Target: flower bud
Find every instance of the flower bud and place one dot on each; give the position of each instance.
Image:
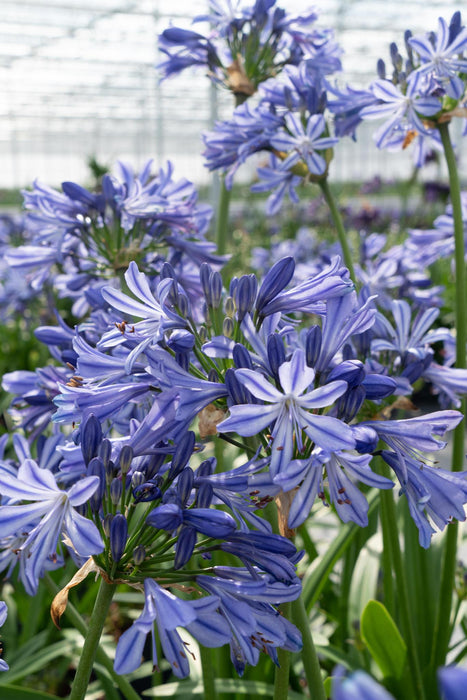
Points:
(244, 295)
(185, 485)
(139, 554)
(275, 281)
(125, 458)
(110, 471)
(91, 436)
(182, 454)
(118, 536)
(137, 478)
(350, 371)
(105, 451)
(106, 523)
(115, 491)
(276, 353)
(96, 468)
(216, 287)
(168, 272)
(229, 307)
(313, 345)
(184, 548)
(350, 403)
(241, 357)
(228, 327)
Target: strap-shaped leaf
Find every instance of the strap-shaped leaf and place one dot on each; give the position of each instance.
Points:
(383, 640)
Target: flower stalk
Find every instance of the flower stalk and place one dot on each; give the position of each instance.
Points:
(91, 643)
(309, 655)
(338, 223)
(443, 616)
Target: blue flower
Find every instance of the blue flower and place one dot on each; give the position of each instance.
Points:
(49, 513)
(403, 109)
(245, 603)
(304, 142)
(3, 615)
(357, 686)
(289, 412)
(278, 178)
(430, 492)
(438, 57)
(452, 682)
(169, 612)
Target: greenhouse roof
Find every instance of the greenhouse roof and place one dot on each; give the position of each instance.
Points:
(78, 78)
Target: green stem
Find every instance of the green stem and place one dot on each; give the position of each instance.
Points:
(389, 521)
(309, 655)
(337, 219)
(75, 618)
(386, 562)
(209, 680)
(281, 678)
(443, 613)
(222, 219)
(91, 642)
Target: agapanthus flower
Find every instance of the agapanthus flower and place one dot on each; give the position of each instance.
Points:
(304, 142)
(200, 617)
(289, 412)
(402, 108)
(432, 492)
(439, 57)
(452, 681)
(249, 43)
(358, 685)
(77, 237)
(3, 615)
(49, 514)
(342, 470)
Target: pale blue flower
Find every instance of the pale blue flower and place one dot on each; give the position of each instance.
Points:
(289, 412)
(3, 615)
(48, 513)
(453, 682)
(439, 59)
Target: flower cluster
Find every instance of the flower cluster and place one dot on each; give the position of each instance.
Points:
(300, 392)
(248, 44)
(77, 239)
(288, 123)
(425, 88)
(147, 518)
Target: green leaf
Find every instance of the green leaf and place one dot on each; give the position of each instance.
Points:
(228, 686)
(383, 640)
(31, 664)
(11, 692)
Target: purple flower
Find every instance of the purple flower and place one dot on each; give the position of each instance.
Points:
(245, 603)
(49, 513)
(342, 469)
(452, 682)
(169, 612)
(281, 180)
(289, 412)
(430, 492)
(357, 686)
(304, 142)
(438, 58)
(3, 615)
(402, 109)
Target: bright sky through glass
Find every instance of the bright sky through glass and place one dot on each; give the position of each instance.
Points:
(77, 79)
